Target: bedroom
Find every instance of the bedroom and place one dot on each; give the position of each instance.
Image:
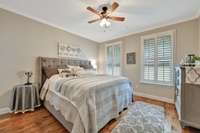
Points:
(33, 33)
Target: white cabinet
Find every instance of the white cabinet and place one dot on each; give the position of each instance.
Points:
(187, 100)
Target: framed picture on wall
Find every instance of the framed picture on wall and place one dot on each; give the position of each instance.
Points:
(131, 58)
(65, 50)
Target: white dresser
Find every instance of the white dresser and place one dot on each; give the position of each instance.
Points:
(187, 96)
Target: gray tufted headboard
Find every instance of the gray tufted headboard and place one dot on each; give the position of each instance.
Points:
(57, 63)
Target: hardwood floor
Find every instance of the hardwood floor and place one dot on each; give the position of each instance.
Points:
(41, 121)
(170, 114)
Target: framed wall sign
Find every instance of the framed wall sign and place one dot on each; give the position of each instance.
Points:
(131, 58)
(68, 51)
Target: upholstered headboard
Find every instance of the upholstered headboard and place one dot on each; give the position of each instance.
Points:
(58, 63)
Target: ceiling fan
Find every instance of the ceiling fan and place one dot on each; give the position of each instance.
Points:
(104, 13)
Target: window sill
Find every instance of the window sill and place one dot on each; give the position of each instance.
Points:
(157, 83)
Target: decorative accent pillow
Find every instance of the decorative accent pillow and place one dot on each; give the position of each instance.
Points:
(50, 71)
(65, 72)
(87, 66)
(75, 70)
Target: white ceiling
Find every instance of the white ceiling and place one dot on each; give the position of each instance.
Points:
(72, 16)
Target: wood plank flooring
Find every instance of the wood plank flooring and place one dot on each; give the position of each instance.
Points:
(41, 121)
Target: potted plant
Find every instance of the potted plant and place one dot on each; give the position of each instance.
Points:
(196, 60)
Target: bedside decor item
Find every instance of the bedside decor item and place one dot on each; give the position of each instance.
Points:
(25, 98)
(28, 74)
(130, 58)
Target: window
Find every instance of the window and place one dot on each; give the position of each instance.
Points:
(113, 59)
(157, 58)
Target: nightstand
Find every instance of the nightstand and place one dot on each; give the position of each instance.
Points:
(25, 98)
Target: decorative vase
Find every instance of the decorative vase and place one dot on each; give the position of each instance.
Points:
(197, 63)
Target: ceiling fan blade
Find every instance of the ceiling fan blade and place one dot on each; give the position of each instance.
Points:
(114, 6)
(93, 10)
(92, 21)
(117, 18)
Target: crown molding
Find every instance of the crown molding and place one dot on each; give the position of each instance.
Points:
(43, 21)
(159, 25)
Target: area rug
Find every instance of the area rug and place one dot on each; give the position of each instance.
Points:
(144, 118)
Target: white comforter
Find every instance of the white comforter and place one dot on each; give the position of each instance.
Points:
(95, 99)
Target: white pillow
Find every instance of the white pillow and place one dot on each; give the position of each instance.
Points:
(74, 67)
(66, 72)
(87, 71)
(76, 71)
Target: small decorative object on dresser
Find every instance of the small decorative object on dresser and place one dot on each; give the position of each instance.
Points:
(25, 98)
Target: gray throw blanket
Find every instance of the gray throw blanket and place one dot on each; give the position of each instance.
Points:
(83, 93)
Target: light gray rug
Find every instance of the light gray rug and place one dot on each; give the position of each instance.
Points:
(143, 118)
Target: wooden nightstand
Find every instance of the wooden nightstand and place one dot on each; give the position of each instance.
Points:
(25, 98)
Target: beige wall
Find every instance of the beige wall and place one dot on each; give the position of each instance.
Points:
(187, 42)
(22, 40)
(199, 34)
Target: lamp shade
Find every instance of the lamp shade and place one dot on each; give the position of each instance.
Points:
(93, 63)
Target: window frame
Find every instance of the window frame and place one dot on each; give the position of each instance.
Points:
(155, 36)
(121, 55)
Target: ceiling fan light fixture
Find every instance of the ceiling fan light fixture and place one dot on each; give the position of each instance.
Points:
(104, 13)
(105, 23)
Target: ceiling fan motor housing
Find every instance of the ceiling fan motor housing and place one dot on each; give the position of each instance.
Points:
(104, 8)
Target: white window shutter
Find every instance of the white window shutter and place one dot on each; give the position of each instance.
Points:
(157, 63)
(149, 59)
(164, 45)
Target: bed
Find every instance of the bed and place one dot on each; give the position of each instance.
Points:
(86, 103)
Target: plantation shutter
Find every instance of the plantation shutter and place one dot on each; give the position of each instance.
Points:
(165, 67)
(158, 58)
(149, 59)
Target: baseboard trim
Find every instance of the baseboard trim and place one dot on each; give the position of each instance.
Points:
(5, 110)
(163, 99)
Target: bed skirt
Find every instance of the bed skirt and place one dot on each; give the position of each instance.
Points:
(58, 116)
(67, 125)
